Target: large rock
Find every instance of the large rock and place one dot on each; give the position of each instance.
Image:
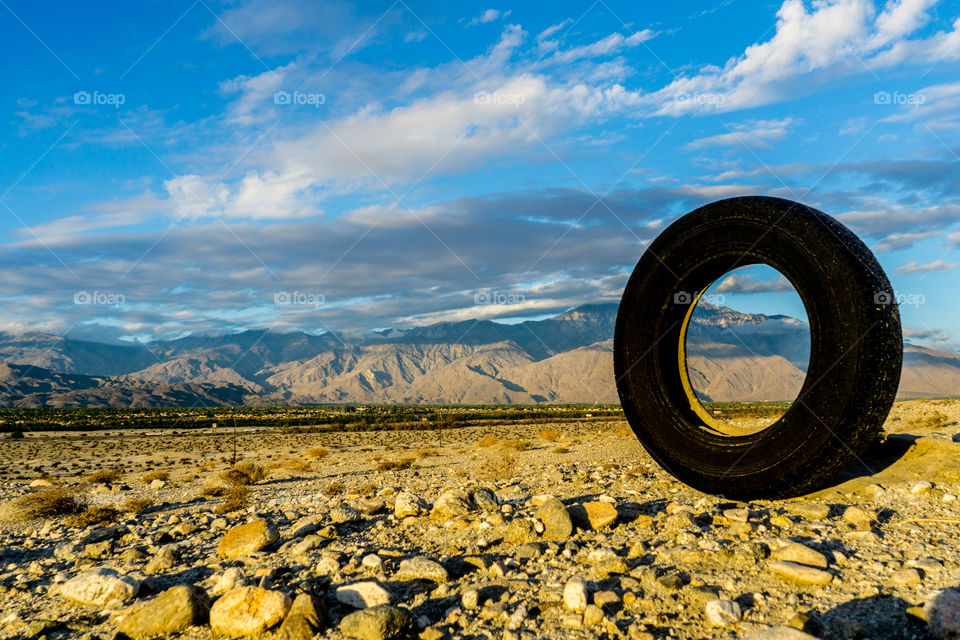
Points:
(452, 503)
(377, 623)
(575, 595)
(100, 588)
(344, 514)
(421, 568)
(555, 518)
(363, 594)
(173, 610)
(942, 613)
(722, 613)
(407, 504)
(594, 515)
(248, 611)
(306, 617)
(244, 539)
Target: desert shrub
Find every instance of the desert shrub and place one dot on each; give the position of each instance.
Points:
(561, 450)
(156, 474)
(93, 516)
(319, 453)
(295, 463)
(497, 467)
(244, 473)
(426, 452)
(137, 505)
(46, 503)
(367, 489)
(104, 476)
(16, 435)
(234, 499)
(487, 441)
(334, 488)
(550, 435)
(395, 465)
(516, 445)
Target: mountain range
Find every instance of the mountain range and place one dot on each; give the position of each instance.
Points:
(565, 358)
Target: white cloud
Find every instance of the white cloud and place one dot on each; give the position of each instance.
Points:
(613, 43)
(904, 240)
(489, 16)
(936, 265)
(756, 134)
(735, 283)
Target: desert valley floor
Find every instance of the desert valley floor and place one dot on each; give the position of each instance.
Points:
(525, 531)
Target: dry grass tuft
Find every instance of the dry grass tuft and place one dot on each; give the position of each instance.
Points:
(104, 476)
(427, 452)
(497, 467)
(487, 441)
(334, 488)
(516, 445)
(137, 505)
(561, 450)
(46, 503)
(156, 474)
(244, 473)
(550, 435)
(93, 516)
(395, 465)
(234, 499)
(319, 453)
(367, 490)
(294, 463)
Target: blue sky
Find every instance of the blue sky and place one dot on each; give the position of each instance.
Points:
(193, 167)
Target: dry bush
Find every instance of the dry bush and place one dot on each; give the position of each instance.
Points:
(625, 431)
(636, 471)
(550, 435)
(244, 473)
(516, 445)
(334, 488)
(487, 441)
(234, 499)
(156, 474)
(93, 516)
(497, 467)
(46, 503)
(930, 421)
(561, 450)
(319, 453)
(426, 452)
(137, 505)
(104, 476)
(294, 463)
(395, 465)
(367, 490)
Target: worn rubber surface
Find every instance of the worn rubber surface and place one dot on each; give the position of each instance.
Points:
(856, 348)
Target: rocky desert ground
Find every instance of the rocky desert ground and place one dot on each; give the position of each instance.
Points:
(524, 531)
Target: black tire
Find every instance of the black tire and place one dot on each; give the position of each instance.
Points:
(856, 348)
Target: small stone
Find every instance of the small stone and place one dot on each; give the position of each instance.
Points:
(528, 551)
(372, 562)
(156, 484)
(520, 530)
(800, 573)
(408, 504)
(592, 615)
(575, 595)
(780, 633)
(363, 595)
(470, 598)
(801, 554)
(421, 568)
(808, 510)
(164, 560)
(343, 515)
(595, 515)
(921, 487)
(247, 538)
(555, 518)
(605, 599)
(942, 613)
(173, 610)
(304, 526)
(230, 579)
(484, 499)
(100, 588)
(861, 519)
(306, 616)
(377, 623)
(248, 611)
(906, 577)
(452, 503)
(722, 613)
(371, 506)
